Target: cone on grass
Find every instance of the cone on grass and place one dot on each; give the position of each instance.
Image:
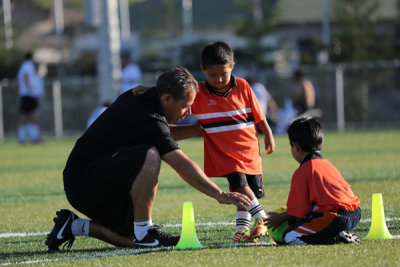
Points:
(188, 239)
(378, 228)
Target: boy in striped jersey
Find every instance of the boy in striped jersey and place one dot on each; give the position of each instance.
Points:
(228, 112)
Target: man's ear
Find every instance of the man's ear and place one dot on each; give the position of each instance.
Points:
(166, 99)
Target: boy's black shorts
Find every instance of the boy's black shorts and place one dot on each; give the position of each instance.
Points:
(255, 182)
(100, 190)
(28, 105)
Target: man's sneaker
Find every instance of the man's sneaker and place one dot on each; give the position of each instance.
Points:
(258, 230)
(348, 238)
(61, 231)
(156, 238)
(242, 236)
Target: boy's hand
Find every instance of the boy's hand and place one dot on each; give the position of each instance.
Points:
(274, 219)
(140, 89)
(269, 144)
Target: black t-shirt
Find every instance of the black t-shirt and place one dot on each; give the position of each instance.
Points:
(129, 121)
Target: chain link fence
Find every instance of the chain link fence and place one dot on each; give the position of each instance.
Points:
(371, 94)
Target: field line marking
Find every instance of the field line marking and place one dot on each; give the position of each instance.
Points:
(7, 235)
(135, 252)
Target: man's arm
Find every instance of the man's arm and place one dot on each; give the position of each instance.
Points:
(185, 131)
(193, 175)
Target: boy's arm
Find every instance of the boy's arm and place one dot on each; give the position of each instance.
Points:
(268, 137)
(180, 132)
(275, 219)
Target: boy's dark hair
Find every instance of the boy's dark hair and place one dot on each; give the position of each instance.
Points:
(217, 53)
(308, 133)
(177, 82)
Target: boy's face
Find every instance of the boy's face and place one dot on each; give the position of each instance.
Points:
(219, 76)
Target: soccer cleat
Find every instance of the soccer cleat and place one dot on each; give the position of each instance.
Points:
(348, 238)
(156, 238)
(61, 231)
(242, 236)
(258, 230)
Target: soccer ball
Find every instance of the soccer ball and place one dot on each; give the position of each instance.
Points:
(277, 234)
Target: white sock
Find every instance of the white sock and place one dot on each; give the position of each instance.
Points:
(80, 227)
(242, 220)
(30, 130)
(22, 134)
(256, 210)
(141, 228)
(35, 133)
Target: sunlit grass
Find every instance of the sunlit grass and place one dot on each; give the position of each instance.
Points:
(31, 190)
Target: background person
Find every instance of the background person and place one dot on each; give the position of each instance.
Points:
(29, 87)
(131, 74)
(304, 97)
(96, 113)
(266, 101)
(111, 175)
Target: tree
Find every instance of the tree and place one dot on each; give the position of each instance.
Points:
(257, 20)
(355, 38)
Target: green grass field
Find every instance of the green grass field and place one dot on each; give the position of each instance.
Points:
(31, 191)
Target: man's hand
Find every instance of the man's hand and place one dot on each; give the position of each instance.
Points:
(235, 198)
(140, 89)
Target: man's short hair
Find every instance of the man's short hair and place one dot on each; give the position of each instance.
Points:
(217, 53)
(308, 133)
(177, 82)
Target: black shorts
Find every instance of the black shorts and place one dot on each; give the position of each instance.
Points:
(255, 182)
(101, 189)
(28, 105)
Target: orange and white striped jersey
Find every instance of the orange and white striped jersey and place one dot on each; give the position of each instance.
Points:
(228, 126)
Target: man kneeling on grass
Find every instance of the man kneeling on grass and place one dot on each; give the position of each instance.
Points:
(111, 175)
(320, 199)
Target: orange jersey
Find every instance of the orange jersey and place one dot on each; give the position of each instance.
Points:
(228, 126)
(318, 186)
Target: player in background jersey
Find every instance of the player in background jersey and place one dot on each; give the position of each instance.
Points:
(227, 112)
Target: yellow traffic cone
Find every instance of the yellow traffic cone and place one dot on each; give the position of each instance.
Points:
(378, 228)
(188, 239)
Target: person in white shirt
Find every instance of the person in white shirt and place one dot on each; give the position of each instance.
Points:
(266, 101)
(131, 75)
(30, 87)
